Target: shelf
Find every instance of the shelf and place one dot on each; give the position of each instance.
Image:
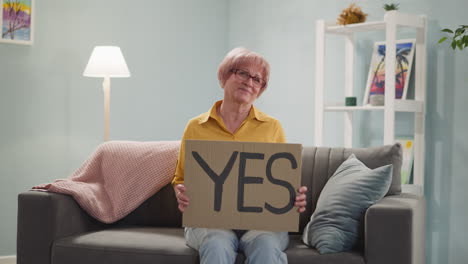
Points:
(352, 108)
(391, 24)
(400, 19)
(400, 106)
(409, 106)
(352, 28)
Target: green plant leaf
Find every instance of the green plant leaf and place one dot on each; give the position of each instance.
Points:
(389, 7)
(459, 37)
(459, 32)
(442, 39)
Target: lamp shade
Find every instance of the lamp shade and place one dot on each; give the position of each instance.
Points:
(106, 61)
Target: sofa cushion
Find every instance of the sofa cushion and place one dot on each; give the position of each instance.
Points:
(334, 226)
(147, 213)
(375, 157)
(164, 245)
(125, 245)
(298, 253)
(319, 164)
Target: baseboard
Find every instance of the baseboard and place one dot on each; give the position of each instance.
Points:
(7, 259)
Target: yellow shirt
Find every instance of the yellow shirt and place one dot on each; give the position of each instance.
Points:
(257, 127)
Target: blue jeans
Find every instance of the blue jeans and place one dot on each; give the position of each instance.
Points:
(221, 246)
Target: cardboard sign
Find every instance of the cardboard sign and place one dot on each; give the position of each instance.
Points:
(242, 185)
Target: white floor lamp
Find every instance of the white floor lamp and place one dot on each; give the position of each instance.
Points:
(106, 61)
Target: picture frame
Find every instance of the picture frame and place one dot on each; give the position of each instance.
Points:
(17, 21)
(407, 146)
(375, 87)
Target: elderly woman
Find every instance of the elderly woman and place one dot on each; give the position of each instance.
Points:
(244, 76)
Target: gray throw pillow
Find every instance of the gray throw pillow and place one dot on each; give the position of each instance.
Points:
(334, 225)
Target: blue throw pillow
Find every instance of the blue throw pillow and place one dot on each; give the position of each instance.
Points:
(334, 225)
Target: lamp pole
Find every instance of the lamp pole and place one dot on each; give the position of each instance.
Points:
(106, 89)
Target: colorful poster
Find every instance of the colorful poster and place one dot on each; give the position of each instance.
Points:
(16, 21)
(407, 146)
(376, 78)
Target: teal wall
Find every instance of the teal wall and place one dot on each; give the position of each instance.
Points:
(285, 32)
(51, 116)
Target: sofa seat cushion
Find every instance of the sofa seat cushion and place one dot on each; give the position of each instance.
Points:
(164, 245)
(125, 245)
(299, 253)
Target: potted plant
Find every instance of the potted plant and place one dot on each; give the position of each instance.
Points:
(390, 7)
(351, 15)
(459, 37)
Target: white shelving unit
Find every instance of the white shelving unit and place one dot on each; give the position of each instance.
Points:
(393, 20)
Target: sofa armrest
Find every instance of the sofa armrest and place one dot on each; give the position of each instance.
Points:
(44, 217)
(395, 230)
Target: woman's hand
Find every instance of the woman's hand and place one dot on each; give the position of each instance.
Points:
(182, 199)
(301, 199)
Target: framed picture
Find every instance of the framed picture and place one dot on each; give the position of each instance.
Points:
(407, 145)
(375, 88)
(17, 21)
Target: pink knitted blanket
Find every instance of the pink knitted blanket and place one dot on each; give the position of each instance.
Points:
(118, 177)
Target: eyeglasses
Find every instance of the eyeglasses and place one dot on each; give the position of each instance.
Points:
(245, 76)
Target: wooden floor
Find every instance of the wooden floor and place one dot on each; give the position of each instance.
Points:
(7, 259)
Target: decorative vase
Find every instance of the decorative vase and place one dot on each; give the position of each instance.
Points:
(377, 99)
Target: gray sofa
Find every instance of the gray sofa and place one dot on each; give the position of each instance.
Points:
(52, 228)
